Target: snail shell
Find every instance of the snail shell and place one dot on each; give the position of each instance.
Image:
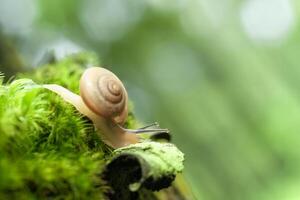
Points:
(104, 94)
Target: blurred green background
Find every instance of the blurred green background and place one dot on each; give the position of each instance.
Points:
(223, 75)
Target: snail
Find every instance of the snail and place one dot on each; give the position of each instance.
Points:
(103, 99)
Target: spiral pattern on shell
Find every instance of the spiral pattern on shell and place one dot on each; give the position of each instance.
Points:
(104, 94)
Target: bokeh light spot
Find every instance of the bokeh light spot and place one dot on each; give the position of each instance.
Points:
(61, 48)
(108, 20)
(17, 16)
(267, 20)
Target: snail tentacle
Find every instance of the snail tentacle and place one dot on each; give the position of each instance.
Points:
(155, 124)
(145, 130)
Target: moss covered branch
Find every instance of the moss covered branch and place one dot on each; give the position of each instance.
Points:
(49, 150)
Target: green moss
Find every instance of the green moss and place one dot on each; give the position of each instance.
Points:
(48, 149)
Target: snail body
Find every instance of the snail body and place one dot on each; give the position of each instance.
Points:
(103, 99)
